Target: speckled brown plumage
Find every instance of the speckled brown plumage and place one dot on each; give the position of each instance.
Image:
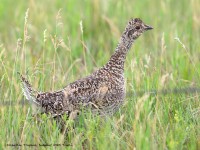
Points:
(103, 91)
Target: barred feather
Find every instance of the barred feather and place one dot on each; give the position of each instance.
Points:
(29, 93)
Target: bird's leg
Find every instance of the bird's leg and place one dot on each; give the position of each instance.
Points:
(74, 114)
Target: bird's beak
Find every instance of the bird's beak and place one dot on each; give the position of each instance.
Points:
(147, 27)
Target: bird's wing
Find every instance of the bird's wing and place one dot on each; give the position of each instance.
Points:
(86, 91)
(52, 102)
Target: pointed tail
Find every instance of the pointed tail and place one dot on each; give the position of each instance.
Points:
(28, 91)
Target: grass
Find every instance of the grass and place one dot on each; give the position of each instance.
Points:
(57, 42)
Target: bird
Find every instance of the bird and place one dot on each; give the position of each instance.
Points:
(103, 91)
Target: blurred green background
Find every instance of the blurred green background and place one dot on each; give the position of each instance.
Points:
(56, 42)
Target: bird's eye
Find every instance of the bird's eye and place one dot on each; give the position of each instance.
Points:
(137, 27)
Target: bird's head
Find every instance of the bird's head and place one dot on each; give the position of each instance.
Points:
(135, 28)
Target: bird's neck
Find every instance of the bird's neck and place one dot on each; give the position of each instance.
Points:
(117, 60)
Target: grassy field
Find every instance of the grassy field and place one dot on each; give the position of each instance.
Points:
(57, 42)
